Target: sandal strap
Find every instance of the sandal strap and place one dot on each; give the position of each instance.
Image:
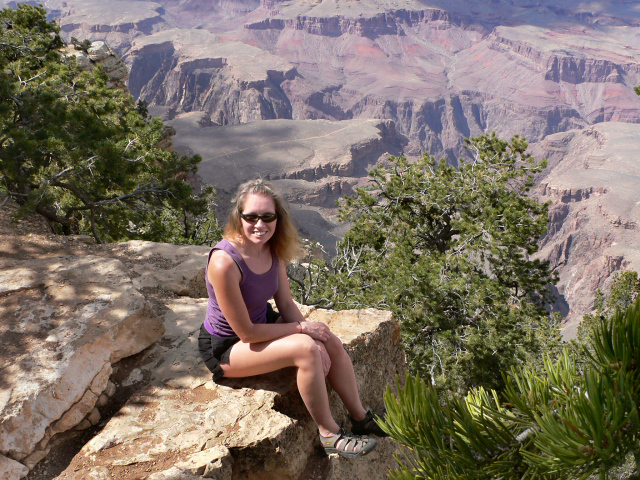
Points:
(349, 439)
(355, 439)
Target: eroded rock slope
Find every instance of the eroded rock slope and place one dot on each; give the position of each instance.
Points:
(595, 209)
(440, 70)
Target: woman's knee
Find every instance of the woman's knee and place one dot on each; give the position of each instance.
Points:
(305, 348)
(334, 346)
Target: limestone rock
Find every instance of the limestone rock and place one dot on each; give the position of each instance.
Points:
(116, 22)
(12, 470)
(101, 54)
(244, 81)
(173, 473)
(213, 462)
(177, 269)
(595, 213)
(66, 321)
(94, 416)
(180, 425)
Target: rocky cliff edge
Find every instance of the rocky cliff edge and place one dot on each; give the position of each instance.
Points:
(110, 331)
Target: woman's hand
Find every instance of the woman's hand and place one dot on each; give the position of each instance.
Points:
(316, 330)
(324, 356)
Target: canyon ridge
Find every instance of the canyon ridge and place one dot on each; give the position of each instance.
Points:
(311, 94)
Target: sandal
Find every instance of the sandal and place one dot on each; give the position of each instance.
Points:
(348, 445)
(368, 426)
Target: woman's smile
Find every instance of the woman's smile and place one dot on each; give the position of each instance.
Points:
(259, 232)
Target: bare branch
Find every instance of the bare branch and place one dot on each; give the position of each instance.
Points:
(61, 174)
(131, 160)
(16, 47)
(24, 82)
(94, 229)
(130, 143)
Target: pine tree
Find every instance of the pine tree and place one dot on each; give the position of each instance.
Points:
(555, 424)
(448, 251)
(81, 154)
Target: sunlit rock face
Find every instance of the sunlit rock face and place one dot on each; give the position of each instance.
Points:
(182, 425)
(109, 333)
(68, 319)
(595, 210)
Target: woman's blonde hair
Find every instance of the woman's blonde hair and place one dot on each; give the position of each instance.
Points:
(285, 241)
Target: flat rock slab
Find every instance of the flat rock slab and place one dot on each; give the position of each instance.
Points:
(65, 321)
(181, 425)
(176, 269)
(247, 63)
(11, 470)
(115, 13)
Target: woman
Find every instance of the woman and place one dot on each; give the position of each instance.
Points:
(240, 336)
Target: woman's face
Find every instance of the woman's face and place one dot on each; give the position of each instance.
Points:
(258, 233)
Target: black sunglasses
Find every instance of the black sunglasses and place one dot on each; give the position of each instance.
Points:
(254, 218)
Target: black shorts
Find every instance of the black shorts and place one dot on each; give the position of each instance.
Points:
(215, 350)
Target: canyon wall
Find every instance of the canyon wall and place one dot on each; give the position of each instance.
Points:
(429, 72)
(441, 73)
(595, 210)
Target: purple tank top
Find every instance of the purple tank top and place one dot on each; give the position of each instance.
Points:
(256, 291)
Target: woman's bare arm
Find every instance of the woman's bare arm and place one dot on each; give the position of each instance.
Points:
(290, 311)
(225, 277)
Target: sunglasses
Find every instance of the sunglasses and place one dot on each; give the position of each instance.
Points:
(254, 218)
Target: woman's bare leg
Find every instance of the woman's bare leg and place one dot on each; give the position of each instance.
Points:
(294, 350)
(343, 378)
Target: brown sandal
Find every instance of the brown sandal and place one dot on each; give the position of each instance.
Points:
(348, 444)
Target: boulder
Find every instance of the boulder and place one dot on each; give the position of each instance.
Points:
(66, 320)
(72, 315)
(100, 54)
(181, 425)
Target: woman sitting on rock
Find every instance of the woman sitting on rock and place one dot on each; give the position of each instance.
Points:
(240, 336)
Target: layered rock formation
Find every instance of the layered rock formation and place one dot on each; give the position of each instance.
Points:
(595, 210)
(74, 310)
(191, 71)
(184, 426)
(439, 70)
(67, 321)
(116, 22)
